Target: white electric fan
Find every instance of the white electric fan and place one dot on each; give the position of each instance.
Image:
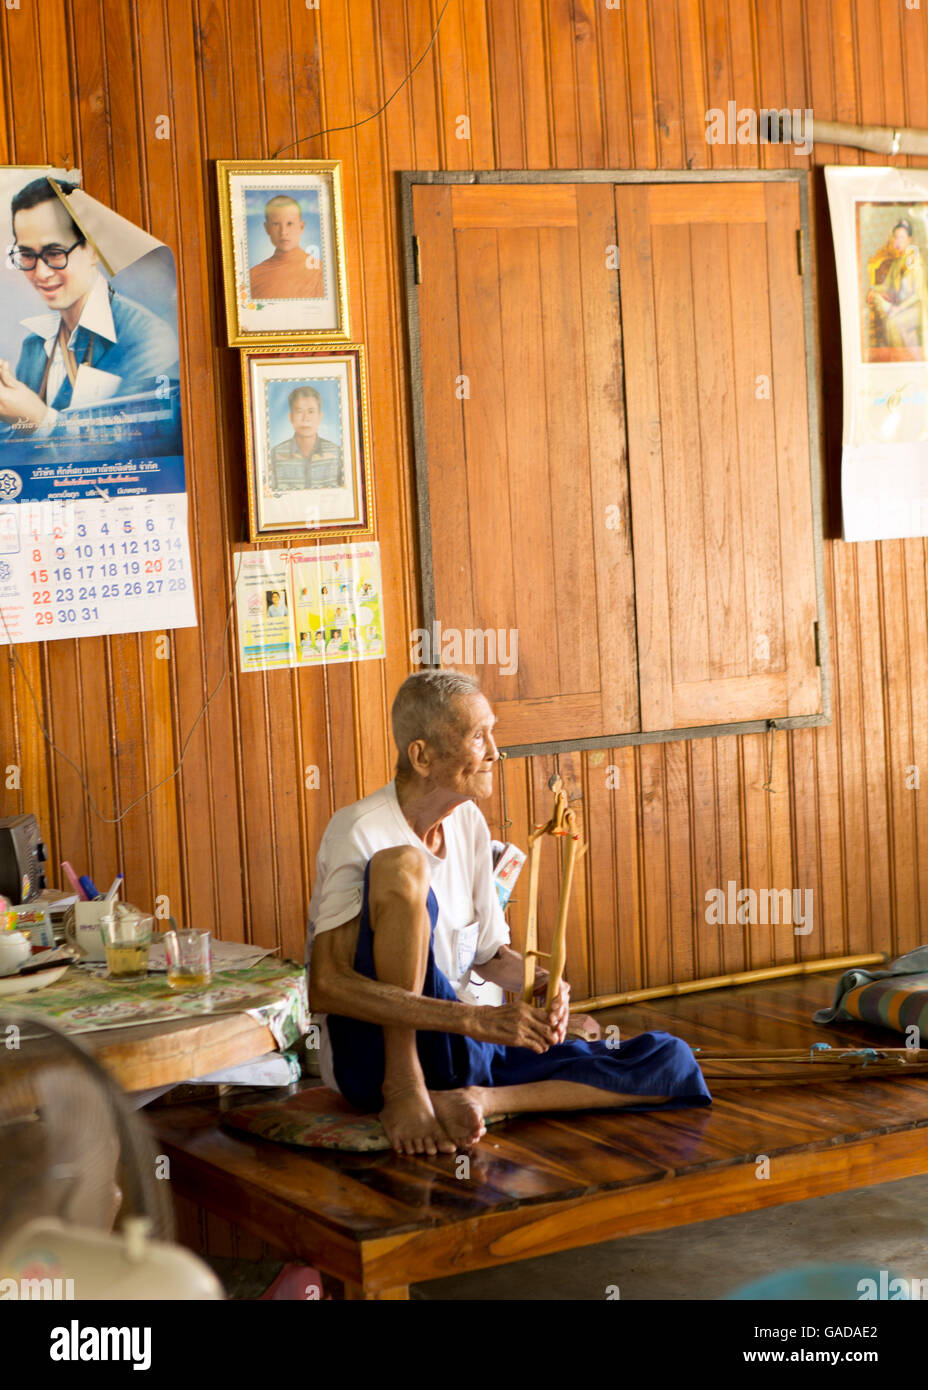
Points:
(74, 1160)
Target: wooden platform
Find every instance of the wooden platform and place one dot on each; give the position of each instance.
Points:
(380, 1222)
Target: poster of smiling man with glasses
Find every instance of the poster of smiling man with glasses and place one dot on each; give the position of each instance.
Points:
(93, 505)
(90, 341)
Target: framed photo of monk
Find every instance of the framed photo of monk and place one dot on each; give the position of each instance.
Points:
(307, 452)
(283, 251)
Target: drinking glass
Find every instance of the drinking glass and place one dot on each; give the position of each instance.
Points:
(188, 958)
(126, 940)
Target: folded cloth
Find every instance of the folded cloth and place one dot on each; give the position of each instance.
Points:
(852, 1001)
(650, 1064)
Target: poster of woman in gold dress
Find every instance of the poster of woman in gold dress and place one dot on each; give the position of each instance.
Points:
(891, 244)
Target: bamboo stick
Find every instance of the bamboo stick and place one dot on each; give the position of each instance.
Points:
(559, 941)
(530, 952)
(880, 139)
(740, 977)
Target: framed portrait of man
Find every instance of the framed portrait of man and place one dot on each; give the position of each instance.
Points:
(283, 250)
(307, 449)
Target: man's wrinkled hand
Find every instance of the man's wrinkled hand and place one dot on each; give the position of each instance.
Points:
(515, 1025)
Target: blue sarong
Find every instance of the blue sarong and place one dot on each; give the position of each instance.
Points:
(649, 1064)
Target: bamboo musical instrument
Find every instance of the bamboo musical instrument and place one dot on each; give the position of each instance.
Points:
(563, 823)
(738, 977)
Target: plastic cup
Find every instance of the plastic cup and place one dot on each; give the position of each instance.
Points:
(126, 941)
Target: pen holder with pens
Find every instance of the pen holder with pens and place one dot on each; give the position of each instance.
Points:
(83, 926)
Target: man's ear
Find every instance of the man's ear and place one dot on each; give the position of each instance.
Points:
(419, 757)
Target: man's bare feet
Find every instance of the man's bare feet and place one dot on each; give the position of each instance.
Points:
(411, 1124)
(461, 1112)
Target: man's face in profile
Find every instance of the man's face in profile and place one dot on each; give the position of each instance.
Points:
(48, 225)
(305, 417)
(284, 226)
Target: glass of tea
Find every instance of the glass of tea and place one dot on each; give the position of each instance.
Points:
(188, 958)
(126, 940)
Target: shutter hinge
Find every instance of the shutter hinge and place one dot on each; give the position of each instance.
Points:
(818, 645)
(417, 260)
(799, 256)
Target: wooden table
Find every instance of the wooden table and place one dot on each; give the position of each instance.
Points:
(165, 1054)
(538, 1185)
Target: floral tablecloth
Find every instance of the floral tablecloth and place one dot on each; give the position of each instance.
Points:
(273, 992)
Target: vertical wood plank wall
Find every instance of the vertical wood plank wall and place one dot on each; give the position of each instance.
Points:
(545, 84)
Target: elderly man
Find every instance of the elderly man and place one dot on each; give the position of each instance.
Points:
(404, 909)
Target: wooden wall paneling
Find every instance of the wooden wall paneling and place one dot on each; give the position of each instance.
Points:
(536, 87)
(908, 29)
(629, 865)
(645, 460)
(732, 867)
(684, 461)
(875, 737)
(456, 150)
(683, 911)
(768, 22)
(820, 93)
(438, 299)
(476, 54)
(719, 80)
(755, 481)
(725, 514)
(561, 43)
(654, 885)
(783, 872)
(567, 433)
(693, 87)
(371, 273)
(803, 793)
(341, 109)
(792, 445)
(916, 608)
(588, 80)
(532, 509)
(667, 85)
(760, 938)
(504, 21)
(829, 762)
(216, 866)
(744, 60)
(707, 945)
(598, 815)
(615, 69)
(901, 874)
(126, 85)
(611, 509)
(640, 76)
(306, 66)
(848, 658)
(483, 354)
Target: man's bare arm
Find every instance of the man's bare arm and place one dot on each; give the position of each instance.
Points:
(337, 988)
(506, 969)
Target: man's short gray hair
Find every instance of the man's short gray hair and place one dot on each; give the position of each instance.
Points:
(425, 707)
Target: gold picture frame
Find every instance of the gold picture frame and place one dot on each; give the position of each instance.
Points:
(307, 443)
(284, 264)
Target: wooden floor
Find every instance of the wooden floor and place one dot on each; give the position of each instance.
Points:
(537, 1185)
